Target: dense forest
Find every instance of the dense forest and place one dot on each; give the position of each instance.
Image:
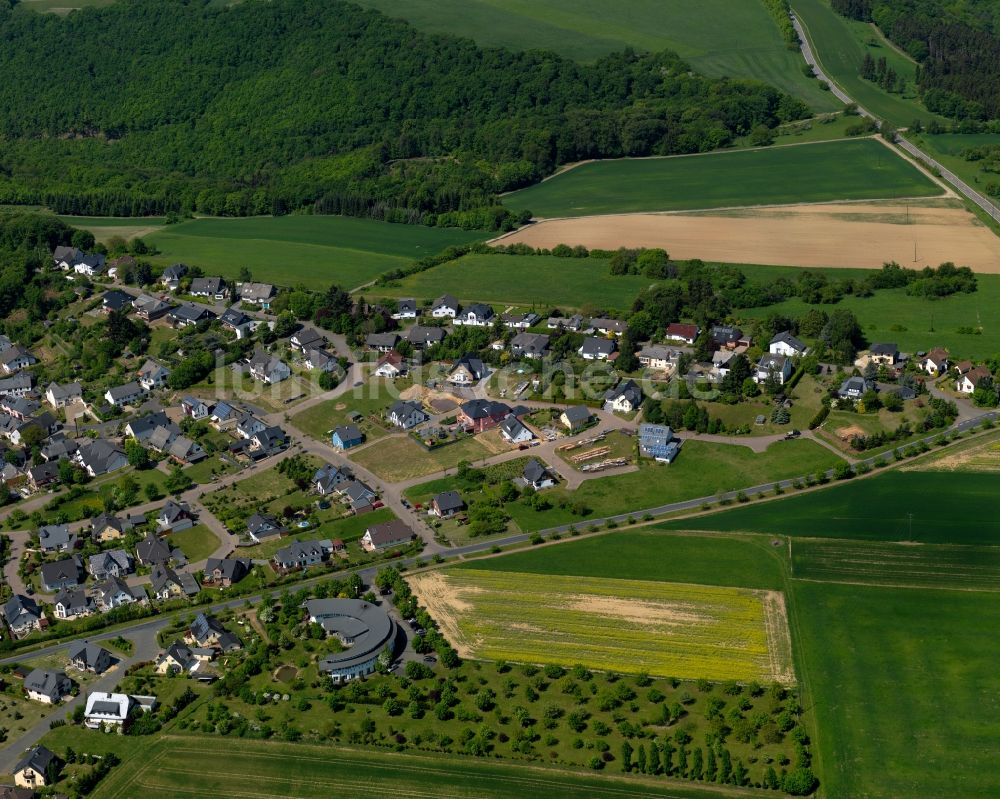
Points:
(179, 105)
(956, 44)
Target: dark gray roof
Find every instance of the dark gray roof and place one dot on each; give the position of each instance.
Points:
(787, 338)
(449, 501)
(597, 346)
(89, 655)
(578, 413)
(368, 626)
(38, 759)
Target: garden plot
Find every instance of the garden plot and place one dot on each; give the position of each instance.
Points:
(667, 629)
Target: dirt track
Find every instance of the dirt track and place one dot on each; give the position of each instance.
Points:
(850, 235)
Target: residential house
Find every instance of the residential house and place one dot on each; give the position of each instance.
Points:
(149, 308)
(59, 448)
(677, 331)
(188, 314)
(176, 659)
(262, 526)
(257, 293)
(108, 527)
(476, 315)
(91, 265)
(467, 371)
(935, 362)
(208, 632)
(168, 584)
(788, 345)
(100, 457)
(143, 427)
(478, 415)
(116, 301)
(268, 368)
(529, 345)
(174, 517)
(406, 309)
(656, 356)
(18, 385)
(235, 320)
(391, 365)
(47, 687)
(306, 339)
(114, 593)
(38, 768)
(110, 563)
(55, 538)
(129, 394)
(268, 441)
(608, 327)
(60, 396)
(85, 656)
(882, 353)
(728, 336)
(64, 257)
(15, 358)
(519, 321)
(381, 342)
(212, 287)
(406, 414)
(247, 425)
(226, 572)
(302, 554)
(537, 476)
(773, 367)
(854, 388)
(421, 336)
(347, 436)
(22, 615)
(972, 379)
(445, 306)
(514, 431)
(45, 422)
(657, 441)
(626, 397)
(21, 408)
(328, 478)
(185, 451)
(597, 349)
(122, 262)
(61, 574)
(195, 408)
(576, 323)
(152, 551)
(962, 367)
(172, 275)
(71, 603)
(446, 504)
(575, 417)
(106, 711)
(359, 497)
(388, 534)
(320, 361)
(10, 792)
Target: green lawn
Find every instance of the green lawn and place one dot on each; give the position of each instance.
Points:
(196, 543)
(539, 282)
(373, 398)
(855, 169)
(948, 147)
(917, 324)
(876, 509)
(347, 530)
(312, 250)
(840, 45)
(904, 686)
(645, 554)
(401, 458)
(717, 37)
(208, 469)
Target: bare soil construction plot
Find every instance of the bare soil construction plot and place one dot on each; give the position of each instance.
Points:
(850, 235)
(665, 629)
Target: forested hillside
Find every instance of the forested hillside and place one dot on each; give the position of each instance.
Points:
(175, 105)
(957, 46)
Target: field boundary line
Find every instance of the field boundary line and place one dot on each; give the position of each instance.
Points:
(909, 586)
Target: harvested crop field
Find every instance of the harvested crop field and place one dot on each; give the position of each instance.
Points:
(666, 629)
(850, 235)
(977, 456)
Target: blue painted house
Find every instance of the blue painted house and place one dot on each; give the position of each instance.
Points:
(347, 436)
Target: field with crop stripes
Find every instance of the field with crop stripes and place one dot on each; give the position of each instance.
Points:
(666, 629)
(925, 566)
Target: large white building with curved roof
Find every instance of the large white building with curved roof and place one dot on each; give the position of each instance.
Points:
(363, 628)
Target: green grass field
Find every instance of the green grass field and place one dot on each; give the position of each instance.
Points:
(840, 45)
(312, 250)
(854, 169)
(718, 38)
(528, 280)
(875, 509)
(633, 626)
(947, 148)
(914, 323)
(904, 686)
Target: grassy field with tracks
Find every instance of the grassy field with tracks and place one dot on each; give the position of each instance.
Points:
(856, 169)
(718, 38)
(666, 629)
(875, 509)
